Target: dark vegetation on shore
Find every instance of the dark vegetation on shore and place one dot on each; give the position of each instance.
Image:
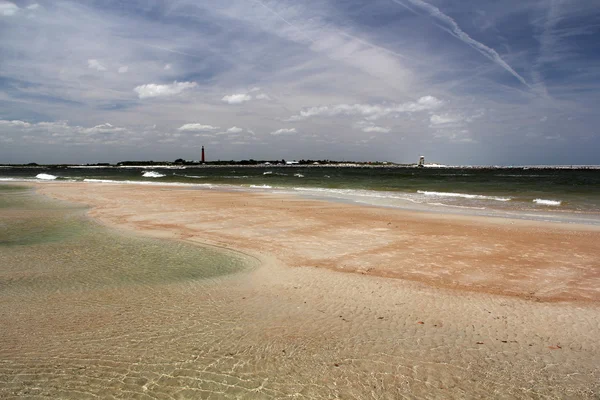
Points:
(250, 162)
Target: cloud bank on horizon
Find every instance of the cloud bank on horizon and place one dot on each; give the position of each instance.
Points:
(463, 82)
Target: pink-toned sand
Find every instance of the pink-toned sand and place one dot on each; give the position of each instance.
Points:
(536, 260)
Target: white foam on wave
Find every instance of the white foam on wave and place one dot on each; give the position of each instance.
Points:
(299, 175)
(463, 195)
(46, 177)
(547, 202)
(267, 172)
(152, 174)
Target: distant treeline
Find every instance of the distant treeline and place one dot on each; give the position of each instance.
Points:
(181, 161)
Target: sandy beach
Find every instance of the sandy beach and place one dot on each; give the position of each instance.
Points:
(346, 302)
(533, 260)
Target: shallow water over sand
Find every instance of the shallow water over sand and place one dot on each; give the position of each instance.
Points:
(99, 313)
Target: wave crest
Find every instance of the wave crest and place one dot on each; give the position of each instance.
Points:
(46, 177)
(152, 174)
(464, 195)
(548, 202)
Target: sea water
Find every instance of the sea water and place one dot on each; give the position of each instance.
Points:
(545, 193)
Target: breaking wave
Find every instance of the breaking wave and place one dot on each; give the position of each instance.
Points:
(46, 177)
(152, 174)
(464, 195)
(547, 202)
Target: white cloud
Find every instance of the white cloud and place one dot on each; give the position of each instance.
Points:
(236, 98)
(95, 64)
(8, 9)
(378, 129)
(155, 90)
(197, 128)
(368, 111)
(105, 128)
(284, 131)
(62, 132)
(368, 127)
(263, 96)
(33, 6)
(443, 119)
(14, 123)
(168, 67)
(234, 129)
(123, 69)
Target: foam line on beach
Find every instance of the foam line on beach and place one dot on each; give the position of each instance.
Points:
(150, 183)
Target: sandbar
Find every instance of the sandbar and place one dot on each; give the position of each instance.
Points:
(348, 301)
(542, 261)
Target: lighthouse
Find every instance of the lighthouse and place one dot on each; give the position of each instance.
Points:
(202, 153)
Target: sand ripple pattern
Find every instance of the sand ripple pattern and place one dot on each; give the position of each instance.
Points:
(306, 333)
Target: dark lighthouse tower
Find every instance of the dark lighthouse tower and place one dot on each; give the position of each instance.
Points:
(202, 153)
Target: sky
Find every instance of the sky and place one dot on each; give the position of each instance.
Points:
(480, 82)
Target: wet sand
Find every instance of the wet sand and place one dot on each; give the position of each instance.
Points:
(432, 306)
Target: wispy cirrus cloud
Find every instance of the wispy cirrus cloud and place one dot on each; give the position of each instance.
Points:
(449, 25)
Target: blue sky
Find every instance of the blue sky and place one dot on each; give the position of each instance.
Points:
(461, 82)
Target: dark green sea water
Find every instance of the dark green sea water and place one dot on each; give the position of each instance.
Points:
(566, 194)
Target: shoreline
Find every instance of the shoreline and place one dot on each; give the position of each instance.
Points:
(532, 260)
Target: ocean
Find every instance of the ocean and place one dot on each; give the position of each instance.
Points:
(562, 194)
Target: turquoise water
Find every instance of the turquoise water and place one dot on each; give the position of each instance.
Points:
(49, 245)
(566, 194)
